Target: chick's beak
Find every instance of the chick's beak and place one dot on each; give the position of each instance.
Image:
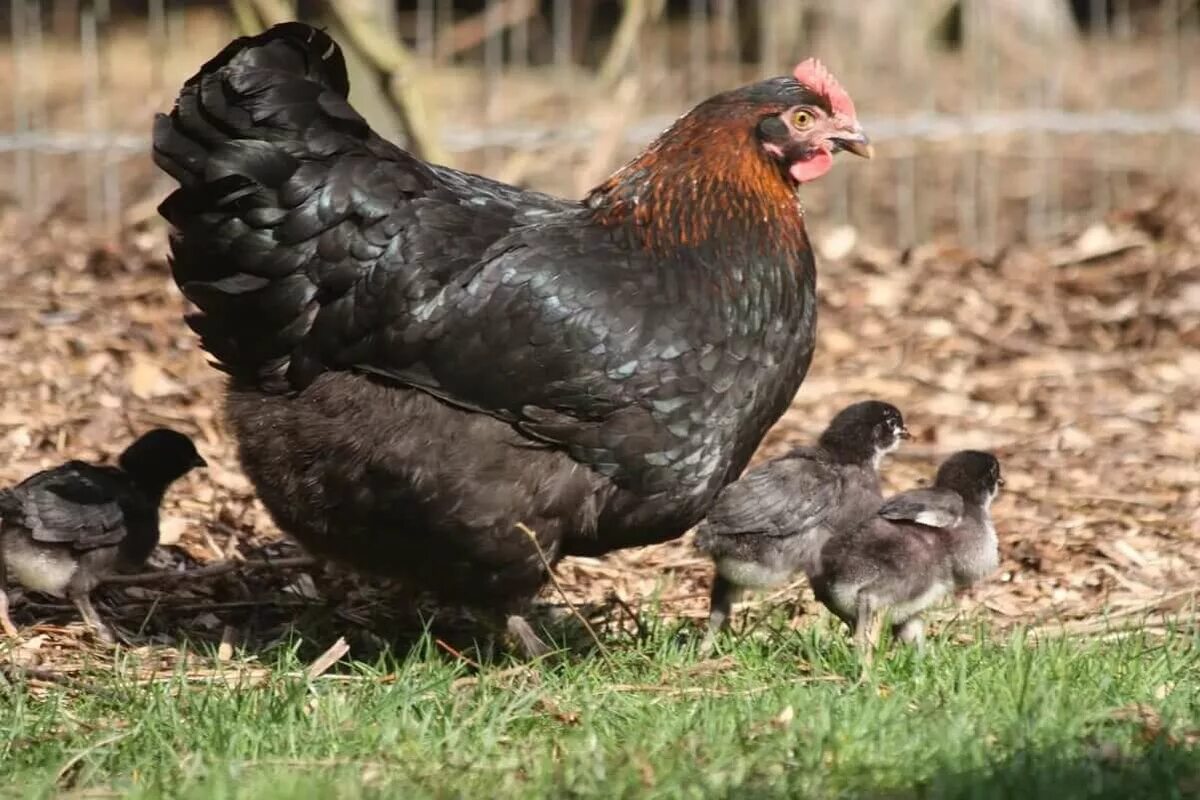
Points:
(198, 462)
(854, 141)
(904, 432)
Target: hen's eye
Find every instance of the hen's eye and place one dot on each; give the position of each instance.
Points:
(803, 119)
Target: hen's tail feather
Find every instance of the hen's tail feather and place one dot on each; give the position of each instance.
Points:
(237, 142)
(286, 80)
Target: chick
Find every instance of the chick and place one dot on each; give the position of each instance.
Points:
(64, 529)
(772, 523)
(920, 546)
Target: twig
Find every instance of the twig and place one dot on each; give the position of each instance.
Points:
(209, 571)
(521, 526)
(457, 654)
(477, 28)
(225, 648)
(1041, 623)
(473, 680)
(1121, 620)
(180, 608)
(272, 12)
(50, 676)
(327, 659)
(625, 40)
(245, 17)
(1104, 629)
(678, 691)
(607, 145)
(244, 678)
(87, 751)
(388, 55)
(637, 622)
(1154, 604)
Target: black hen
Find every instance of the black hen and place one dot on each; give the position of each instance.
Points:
(421, 358)
(64, 529)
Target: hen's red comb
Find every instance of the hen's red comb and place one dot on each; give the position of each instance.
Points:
(815, 76)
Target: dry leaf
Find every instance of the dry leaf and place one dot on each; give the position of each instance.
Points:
(170, 529)
(303, 586)
(147, 380)
(207, 620)
(549, 707)
(838, 242)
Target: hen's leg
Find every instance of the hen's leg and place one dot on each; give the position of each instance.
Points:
(92, 619)
(720, 604)
(911, 632)
(6, 624)
(530, 644)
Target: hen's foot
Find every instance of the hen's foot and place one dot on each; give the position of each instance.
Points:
(528, 642)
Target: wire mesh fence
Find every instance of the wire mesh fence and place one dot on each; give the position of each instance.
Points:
(994, 120)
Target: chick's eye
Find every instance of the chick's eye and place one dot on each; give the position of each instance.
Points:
(803, 119)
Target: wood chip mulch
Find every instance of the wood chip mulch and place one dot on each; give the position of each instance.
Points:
(1078, 362)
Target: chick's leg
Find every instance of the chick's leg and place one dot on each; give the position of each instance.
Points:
(867, 627)
(720, 605)
(92, 619)
(911, 632)
(6, 624)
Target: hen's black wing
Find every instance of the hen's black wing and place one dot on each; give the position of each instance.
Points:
(76, 504)
(935, 508)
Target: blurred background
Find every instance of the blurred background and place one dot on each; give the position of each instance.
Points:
(995, 120)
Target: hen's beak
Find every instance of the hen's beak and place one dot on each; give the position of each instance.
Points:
(855, 141)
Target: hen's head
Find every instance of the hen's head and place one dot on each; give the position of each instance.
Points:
(799, 122)
(736, 159)
(807, 119)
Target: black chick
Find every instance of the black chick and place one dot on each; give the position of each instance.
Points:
(773, 522)
(64, 529)
(922, 545)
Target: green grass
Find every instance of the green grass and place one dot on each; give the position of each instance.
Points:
(784, 717)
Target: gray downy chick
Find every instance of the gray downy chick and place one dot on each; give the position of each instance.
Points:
(921, 545)
(772, 523)
(63, 530)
